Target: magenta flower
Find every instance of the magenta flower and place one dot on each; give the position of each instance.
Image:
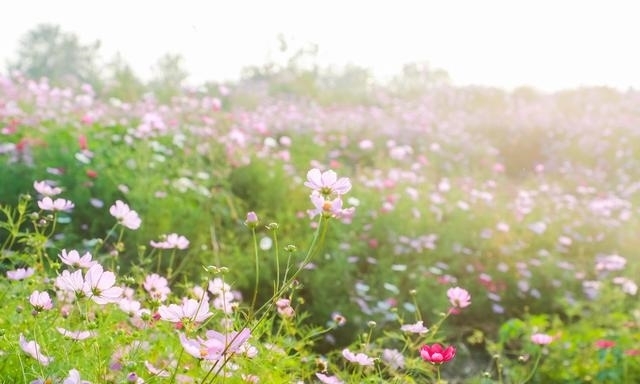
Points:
(436, 355)
(41, 301)
(458, 297)
(99, 285)
(48, 204)
(32, 349)
(125, 215)
(327, 183)
(190, 311)
(541, 338)
(358, 358)
(45, 189)
(73, 258)
(20, 273)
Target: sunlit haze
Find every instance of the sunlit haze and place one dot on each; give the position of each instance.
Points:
(546, 44)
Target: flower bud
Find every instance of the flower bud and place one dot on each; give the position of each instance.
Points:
(252, 220)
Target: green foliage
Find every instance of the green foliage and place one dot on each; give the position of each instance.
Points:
(48, 51)
(169, 77)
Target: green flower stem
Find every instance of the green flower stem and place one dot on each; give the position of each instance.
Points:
(113, 259)
(101, 243)
(170, 267)
(265, 308)
(257, 262)
(275, 244)
(533, 370)
(436, 327)
(175, 371)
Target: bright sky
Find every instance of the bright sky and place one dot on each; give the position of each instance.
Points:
(550, 44)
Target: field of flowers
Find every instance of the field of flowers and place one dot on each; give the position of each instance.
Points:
(449, 235)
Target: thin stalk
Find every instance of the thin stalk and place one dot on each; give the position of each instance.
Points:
(277, 248)
(533, 370)
(257, 262)
(320, 232)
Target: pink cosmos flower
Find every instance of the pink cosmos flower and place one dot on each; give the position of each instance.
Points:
(156, 371)
(47, 204)
(45, 189)
(218, 287)
(73, 258)
(338, 319)
(190, 311)
(225, 303)
(216, 345)
(71, 282)
(436, 355)
(132, 307)
(284, 308)
(327, 183)
(125, 215)
(541, 338)
(32, 349)
(20, 273)
(358, 358)
(232, 342)
(610, 263)
(329, 207)
(76, 335)
(171, 241)
(41, 301)
(393, 358)
(74, 378)
(328, 379)
(157, 287)
(196, 349)
(99, 286)
(418, 328)
(458, 297)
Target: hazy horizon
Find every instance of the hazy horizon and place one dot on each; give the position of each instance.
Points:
(544, 44)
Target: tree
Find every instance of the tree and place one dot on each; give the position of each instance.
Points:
(169, 77)
(47, 51)
(417, 78)
(122, 82)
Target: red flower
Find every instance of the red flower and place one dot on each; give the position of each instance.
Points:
(632, 352)
(604, 344)
(436, 355)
